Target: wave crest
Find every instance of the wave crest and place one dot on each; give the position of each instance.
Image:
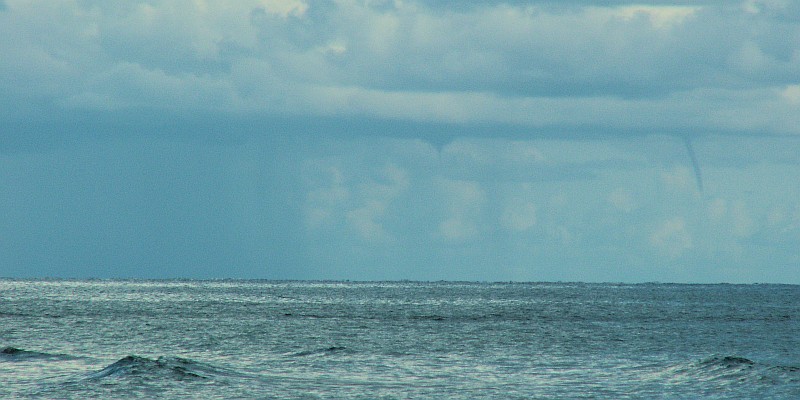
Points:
(162, 367)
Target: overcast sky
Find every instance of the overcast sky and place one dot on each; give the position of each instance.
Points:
(367, 140)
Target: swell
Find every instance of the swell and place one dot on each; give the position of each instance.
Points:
(17, 354)
(735, 369)
(321, 352)
(164, 367)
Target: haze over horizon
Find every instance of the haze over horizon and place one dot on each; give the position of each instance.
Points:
(383, 140)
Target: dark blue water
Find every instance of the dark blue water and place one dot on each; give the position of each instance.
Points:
(262, 339)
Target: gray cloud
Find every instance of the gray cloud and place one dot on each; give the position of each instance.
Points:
(614, 68)
(629, 51)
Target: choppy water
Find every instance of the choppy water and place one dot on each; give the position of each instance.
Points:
(262, 339)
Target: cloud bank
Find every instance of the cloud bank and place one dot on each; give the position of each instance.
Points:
(547, 67)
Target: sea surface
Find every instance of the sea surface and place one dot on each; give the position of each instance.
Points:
(111, 339)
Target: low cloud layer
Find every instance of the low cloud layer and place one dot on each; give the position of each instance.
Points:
(615, 67)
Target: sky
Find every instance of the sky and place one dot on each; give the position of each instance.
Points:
(380, 140)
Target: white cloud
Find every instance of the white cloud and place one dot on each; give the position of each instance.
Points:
(743, 224)
(324, 202)
(791, 93)
(458, 228)
(365, 221)
(622, 199)
(463, 202)
(378, 195)
(661, 17)
(284, 8)
(733, 215)
(678, 178)
(672, 237)
(518, 215)
(131, 85)
(338, 198)
(718, 209)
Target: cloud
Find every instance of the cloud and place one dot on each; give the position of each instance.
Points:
(463, 202)
(328, 135)
(338, 198)
(672, 237)
(679, 178)
(378, 197)
(391, 209)
(519, 215)
(734, 215)
(612, 68)
(622, 200)
(365, 221)
(792, 94)
(780, 232)
(322, 202)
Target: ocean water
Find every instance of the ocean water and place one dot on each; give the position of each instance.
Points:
(66, 339)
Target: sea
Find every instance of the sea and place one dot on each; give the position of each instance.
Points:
(250, 339)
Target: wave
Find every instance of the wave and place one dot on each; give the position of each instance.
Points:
(735, 369)
(427, 317)
(322, 351)
(163, 367)
(16, 354)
